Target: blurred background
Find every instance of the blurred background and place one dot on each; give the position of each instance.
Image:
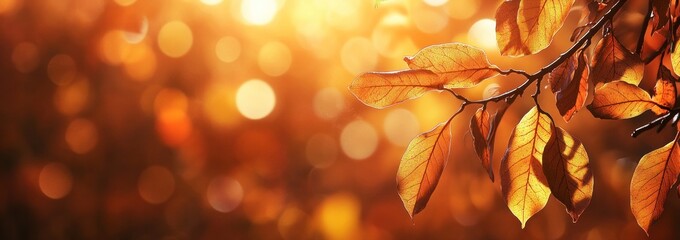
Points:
(202, 119)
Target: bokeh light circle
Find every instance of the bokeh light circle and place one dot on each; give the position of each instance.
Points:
(401, 126)
(81, 136)
(156, 184)
(359, 140)
(175, 39)
(274, 58)
(228, 49)
(55, 180)
(328, 103)
(255, 99)
(259, 12)
(483, 34)
(224, 194)
(358, 55)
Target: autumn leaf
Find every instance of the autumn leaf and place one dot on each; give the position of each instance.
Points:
(479, 128)
(675, 59)
(612, 62)
(571, 94)
(459, 65)
(566, 166)
(620, 100)
(528, 26)
(560, 77)
(422, 166)
(523, 183)
(654, 176)
(665, 92)
(380, 90)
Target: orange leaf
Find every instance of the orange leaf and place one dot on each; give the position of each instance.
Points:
(665, 92)
(380, 90)
(612, 62)
(654, 176)
(422, 166)
(620, 100)
(523, 183)
(461, 65)
(572, 96)
(479, 129)
(565, 164)
(528, 26)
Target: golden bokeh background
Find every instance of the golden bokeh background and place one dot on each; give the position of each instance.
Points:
(202, 119)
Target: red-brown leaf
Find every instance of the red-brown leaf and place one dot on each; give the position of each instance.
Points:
(479, 129)
(459, 65)
(560, 77)
(620, 100)
(665, 92)
(422, 166)
(613, 62)
(571, 97)
(654, 176)
(566, 166)
(384, 89)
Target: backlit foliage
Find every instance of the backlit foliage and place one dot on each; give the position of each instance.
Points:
(541, 158)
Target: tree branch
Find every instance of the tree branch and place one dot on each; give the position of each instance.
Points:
(530, 78)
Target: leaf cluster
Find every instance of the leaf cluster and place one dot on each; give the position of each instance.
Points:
(541, 158)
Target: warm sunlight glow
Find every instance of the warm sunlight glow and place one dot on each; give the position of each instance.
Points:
(175, 39)
(255, 99)
(228, 49)
(55, 180)
(140, 64)
(156, 184)
(358, 55)
(359, 140)
(339, 216)
(211, 2)
(462, 9)
(483, 34)
(219, 105)
(401, 126)
(435, 3)
(224, 194)
(429, 19)
(259, 12)
(274, 59)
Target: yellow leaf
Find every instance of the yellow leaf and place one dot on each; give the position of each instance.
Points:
(528, 26)
(380, 90)
(654, 176)
(572, 94)
(566, 166)
(523, 183)
(479, 129)
(461, 65)
(675, 59)
(612, 62)
(665, 92)
(422, 166)
(620, 100)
